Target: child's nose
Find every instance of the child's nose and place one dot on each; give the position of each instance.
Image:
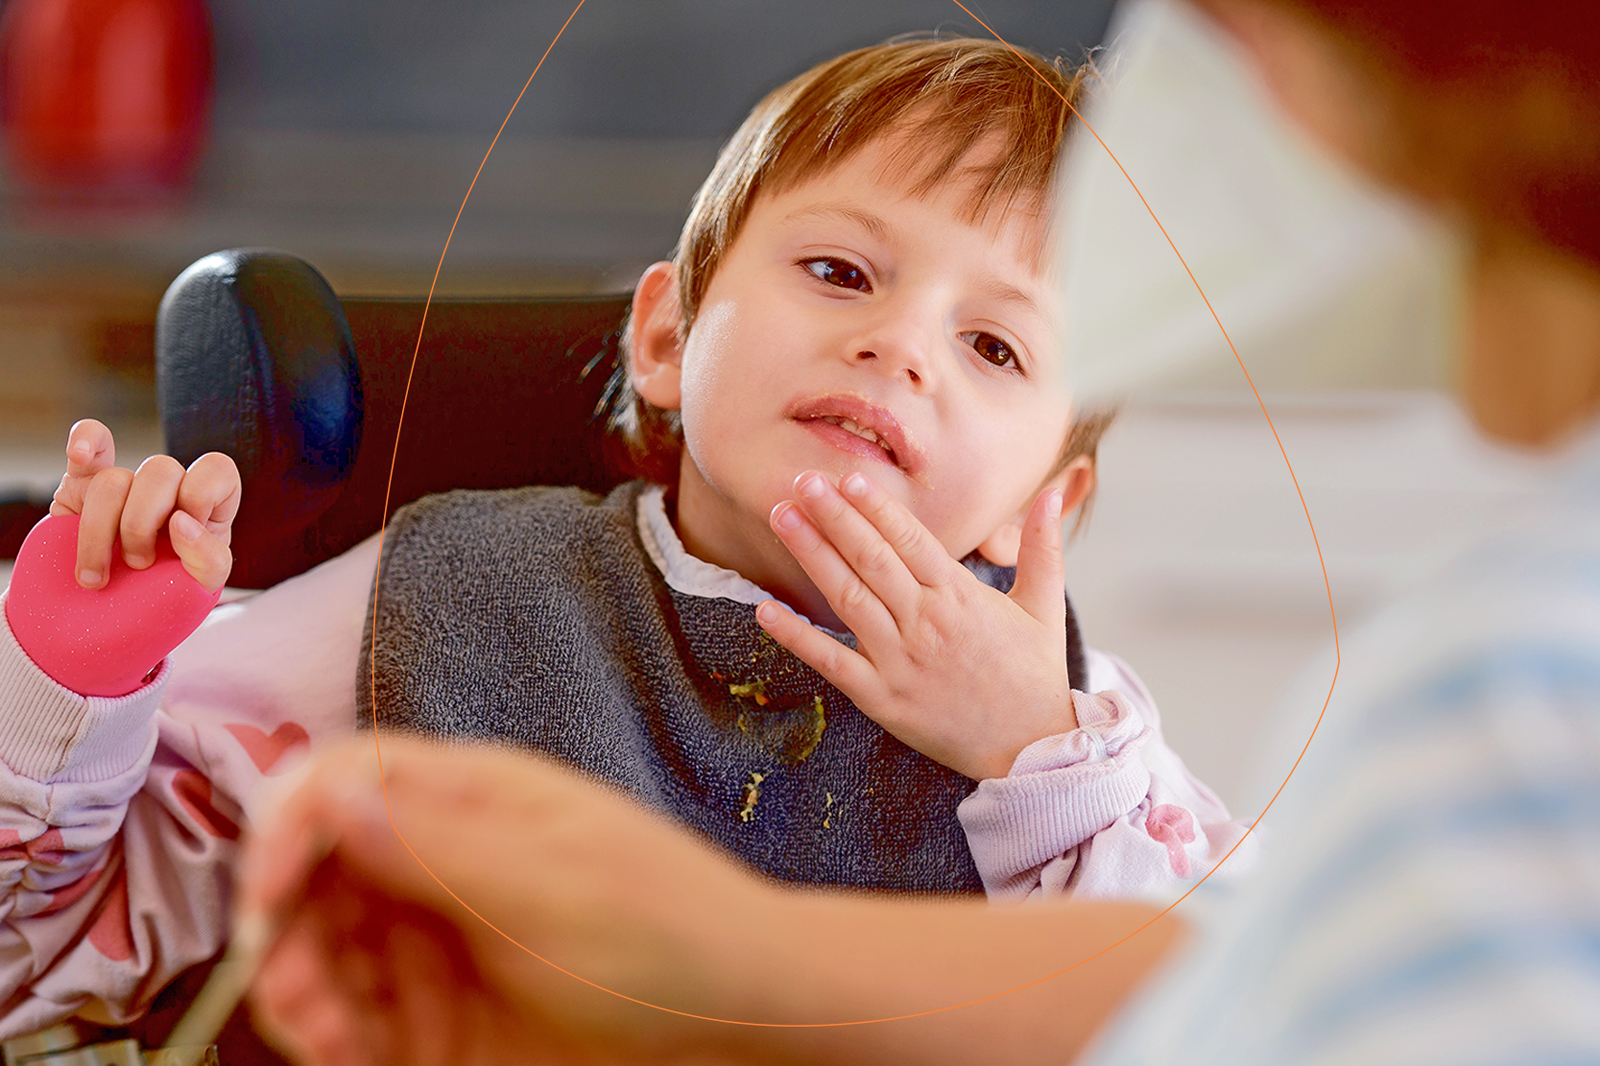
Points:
(913, 374)
(899, 350)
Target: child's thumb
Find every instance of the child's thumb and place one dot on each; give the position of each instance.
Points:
(1040, 588)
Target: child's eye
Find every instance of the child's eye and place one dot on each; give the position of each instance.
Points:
(992, 348)
(839, 272)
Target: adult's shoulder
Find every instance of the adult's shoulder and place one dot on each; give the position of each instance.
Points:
(1442, 759)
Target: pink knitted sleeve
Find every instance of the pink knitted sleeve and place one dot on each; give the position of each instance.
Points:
(120, 817)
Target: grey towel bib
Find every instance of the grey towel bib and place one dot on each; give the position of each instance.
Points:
(534, 617)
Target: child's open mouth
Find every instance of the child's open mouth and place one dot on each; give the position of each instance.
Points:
(868, 435)
(852, 423)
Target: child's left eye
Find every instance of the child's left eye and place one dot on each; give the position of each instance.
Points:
(992, 348)
(840, 273)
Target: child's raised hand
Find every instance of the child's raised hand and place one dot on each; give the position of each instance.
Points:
(196, 508)
(95, 625)
(953, 668)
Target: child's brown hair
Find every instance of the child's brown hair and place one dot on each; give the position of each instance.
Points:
(951, 93)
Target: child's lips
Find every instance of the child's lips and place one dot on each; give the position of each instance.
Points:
(844, 439)
(854, 424)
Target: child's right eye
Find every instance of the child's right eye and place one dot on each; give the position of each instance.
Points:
(839, 272)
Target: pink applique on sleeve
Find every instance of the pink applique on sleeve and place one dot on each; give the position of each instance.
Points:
(63, 898)
(111, 934)
(194, 792)
(267, 750)
(1174, 827)
(47, 848)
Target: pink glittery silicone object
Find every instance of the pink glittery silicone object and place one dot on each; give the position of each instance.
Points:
(106, 641)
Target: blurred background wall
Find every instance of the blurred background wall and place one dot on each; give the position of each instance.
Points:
(347, 131)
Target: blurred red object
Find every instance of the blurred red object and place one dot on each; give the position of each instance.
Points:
(104, 96)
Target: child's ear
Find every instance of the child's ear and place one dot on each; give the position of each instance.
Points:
(1075, 481)
(655, 365)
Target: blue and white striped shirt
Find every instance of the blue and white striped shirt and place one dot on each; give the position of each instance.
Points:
(1432, 890)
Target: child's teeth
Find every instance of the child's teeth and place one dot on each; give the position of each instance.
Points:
(860, 431)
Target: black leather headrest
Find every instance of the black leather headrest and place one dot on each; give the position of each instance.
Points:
(254, 358)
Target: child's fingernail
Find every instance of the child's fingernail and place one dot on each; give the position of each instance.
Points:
(812, 487)
(138, 562)
(1052, 506)
(856, 485)
(766, 614)
(88, 578)
(185, 525)
(788, 517)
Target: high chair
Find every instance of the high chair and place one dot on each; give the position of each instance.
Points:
(257, 357)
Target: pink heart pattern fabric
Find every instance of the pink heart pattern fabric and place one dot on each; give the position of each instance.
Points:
(106, 641)
(268, 750)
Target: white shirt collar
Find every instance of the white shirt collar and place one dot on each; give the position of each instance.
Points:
(682, 571)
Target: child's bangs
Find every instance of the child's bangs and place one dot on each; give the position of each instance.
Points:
(961, 109)
(991, 122)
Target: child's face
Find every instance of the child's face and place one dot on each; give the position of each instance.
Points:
(847, 310)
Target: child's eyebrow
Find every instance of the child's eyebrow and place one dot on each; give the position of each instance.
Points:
(1001, 292)
(874, 225)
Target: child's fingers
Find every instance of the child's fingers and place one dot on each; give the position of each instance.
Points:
(874, 561)
(210, 492)
(204, 554)
(68, 498)
(150, 500)
(919, 550)
(90, 449)
(849, 671)
(97, 526)
(1040, 588)
(852, 600)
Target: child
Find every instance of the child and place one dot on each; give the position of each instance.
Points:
(848, 379)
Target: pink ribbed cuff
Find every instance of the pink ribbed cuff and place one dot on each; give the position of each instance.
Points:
(1061, 791)
(50, 734)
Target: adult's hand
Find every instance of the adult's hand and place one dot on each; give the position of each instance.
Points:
(381, 962)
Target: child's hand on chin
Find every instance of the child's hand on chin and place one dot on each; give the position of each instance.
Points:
(195, 507)
(963, 673)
